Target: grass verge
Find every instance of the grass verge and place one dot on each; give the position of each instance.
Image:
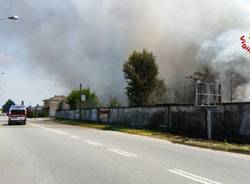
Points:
(215, 145)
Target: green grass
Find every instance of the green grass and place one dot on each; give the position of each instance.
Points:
(180, 139)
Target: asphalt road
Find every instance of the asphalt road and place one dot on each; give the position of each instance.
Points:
(45, 152)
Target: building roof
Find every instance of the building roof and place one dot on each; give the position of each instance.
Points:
(56, 98)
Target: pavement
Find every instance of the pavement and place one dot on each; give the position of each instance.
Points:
(45, 152)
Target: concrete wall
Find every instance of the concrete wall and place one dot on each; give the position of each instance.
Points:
(232, 121)
(87, 115)
(229, 121)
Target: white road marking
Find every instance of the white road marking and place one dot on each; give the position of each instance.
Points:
(50, 129)
(93, 143)
(193, 177)
(74, 137)
(56, 131)
(121, 152)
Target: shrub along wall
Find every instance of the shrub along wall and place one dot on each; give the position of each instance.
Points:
(230, 121)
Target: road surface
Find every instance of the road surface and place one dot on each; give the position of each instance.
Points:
(43, 152)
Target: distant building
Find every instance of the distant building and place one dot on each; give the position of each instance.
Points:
(52, 104)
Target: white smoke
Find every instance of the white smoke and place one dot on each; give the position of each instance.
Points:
(87, 41)
(226, 57)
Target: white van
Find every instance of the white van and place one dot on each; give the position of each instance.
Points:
(17, 115)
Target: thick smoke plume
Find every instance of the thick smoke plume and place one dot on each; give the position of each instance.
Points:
(229, 61)
(87, 41)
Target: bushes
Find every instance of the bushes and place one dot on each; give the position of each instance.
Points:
(37, 113)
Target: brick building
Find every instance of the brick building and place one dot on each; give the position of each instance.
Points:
(52, 104)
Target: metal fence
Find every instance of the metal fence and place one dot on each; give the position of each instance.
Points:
(184, 93)
(181, 93)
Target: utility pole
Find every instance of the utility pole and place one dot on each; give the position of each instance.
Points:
(184, 92)
(231, 87)
(194, 79)
(231, 90)
(209, 124)
(80, 103)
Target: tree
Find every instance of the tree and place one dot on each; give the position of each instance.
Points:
(74, 97)
(114, 102)
(143, 84)
(6, 106)
(205, 74)
(158, 95)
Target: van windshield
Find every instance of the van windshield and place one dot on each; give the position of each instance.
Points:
(17, 111)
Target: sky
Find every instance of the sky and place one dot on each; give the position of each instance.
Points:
(55, 45)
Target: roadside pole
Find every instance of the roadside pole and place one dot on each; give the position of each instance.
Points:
(80, 103)
(184, 92)
(231, 87)
(207, 97)
(209, 124)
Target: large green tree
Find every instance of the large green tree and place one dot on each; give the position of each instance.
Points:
(91, 99)
(144, 87)
(6, 106)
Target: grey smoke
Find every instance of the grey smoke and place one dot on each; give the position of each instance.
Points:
(226, 57)
(87, 41)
